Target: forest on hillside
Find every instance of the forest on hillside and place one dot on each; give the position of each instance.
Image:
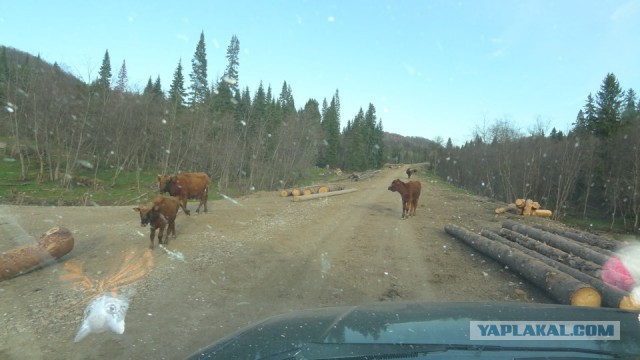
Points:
(261, 140)
(54, 124)
(593, 172)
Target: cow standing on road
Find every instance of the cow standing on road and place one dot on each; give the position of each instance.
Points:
(160, 212)
(410, 193)
(186, 186)
(411, 171)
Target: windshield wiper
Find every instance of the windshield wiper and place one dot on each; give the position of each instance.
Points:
(311, 351)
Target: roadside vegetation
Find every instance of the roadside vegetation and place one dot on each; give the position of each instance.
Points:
(64, 141)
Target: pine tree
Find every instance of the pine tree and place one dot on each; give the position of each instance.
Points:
(285, 100)
(608, 106)
(157, 88)
(630, 111)
(231, 72)
(104, 75)
(199, 90)
(121, 84)
(586, 121)
(177, 93)
(331, 131)
(148, 89)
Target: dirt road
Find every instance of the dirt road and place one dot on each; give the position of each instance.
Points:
(243, 262)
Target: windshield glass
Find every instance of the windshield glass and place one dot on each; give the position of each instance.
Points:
(173, 173)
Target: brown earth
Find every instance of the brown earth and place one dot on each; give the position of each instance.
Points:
(243, 262)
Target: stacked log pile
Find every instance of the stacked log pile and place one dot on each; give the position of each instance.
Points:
(526, 207)
(565, 264)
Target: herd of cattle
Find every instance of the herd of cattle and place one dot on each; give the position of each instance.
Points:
(162, 211)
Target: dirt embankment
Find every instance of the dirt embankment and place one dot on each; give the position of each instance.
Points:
(243, 262)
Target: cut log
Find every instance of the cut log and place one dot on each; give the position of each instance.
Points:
(555, 254)
(511, 208)
(54, 244)
(556, 241)
(580, 236)
(307, 190)
(542, 213)
(562, 287)
(611, 296)
(323, 195)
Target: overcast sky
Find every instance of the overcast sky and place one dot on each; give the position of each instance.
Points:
(430, 68)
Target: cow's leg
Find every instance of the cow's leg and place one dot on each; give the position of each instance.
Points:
(161, 238)
(172, 229)
(183, 204)
(203, 201)
(153, 234)
(405, 209)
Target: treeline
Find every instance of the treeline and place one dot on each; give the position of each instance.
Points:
(591, 172)
(57, 123)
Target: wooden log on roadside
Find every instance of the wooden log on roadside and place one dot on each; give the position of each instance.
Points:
(556, 241)
(553, 253)
(323, 195)
(54, 244)
(611, 296)
(583, 237)
(307, 190)
(285, 193)
(542, 213)
(562, 287)
(510, 208)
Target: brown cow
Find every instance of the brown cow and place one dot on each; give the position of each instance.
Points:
(411, 171)
(186, 186)
(410, 193)
(158, 213)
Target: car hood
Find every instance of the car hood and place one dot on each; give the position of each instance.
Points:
(415, 323)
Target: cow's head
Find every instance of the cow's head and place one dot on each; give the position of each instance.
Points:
(164, 183)
(147, 214)
(396, 185)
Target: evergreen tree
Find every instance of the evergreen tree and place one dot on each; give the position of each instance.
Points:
(630, 111)
(231, 72)
(449, 145)
(148, 89)
(608, 106)
(177, 93)
(104, 75)
(157, 88)
(331, 131)
(285, 100)
(376, 139)
(199, 90)
(121, 84)
(586, 121)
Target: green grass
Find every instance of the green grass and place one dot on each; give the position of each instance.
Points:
(595, 224)
(87, 187)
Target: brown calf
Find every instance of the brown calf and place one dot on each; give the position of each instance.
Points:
(410, 193)
(158, 213)
(186, 186)
(411, 171)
